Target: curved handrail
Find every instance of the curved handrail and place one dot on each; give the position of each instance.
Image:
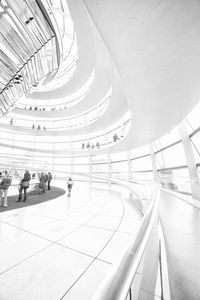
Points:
(118, 282)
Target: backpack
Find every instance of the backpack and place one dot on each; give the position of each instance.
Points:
(5, 183)
(27, 177)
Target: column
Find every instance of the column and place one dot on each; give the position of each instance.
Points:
(190, 159)
(153, 161)
(109, 165)
(130, 177)
(90, 167)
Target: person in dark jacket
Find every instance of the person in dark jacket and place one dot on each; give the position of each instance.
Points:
(49, 180)
(24, 185)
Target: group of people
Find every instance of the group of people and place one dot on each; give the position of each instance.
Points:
(6, 180)
(89, 146)
(44, 109)
(116, 137)
(44, 179)
(38, 127)
(44, 183)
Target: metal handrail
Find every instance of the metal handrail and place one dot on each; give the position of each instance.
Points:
(117, 284)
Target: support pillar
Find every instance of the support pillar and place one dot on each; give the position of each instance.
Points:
(109, 166)
(130, 177)
(190, 159)
(90, 168)
(153, 161)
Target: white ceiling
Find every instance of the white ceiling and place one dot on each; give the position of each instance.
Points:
(148, 50)
(155, 46)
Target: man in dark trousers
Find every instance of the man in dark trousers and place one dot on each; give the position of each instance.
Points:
(49, 180)
(24, 185)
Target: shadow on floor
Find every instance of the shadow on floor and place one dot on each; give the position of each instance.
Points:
(33, 198)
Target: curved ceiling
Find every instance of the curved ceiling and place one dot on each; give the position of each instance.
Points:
(155, 46)
(147, 51)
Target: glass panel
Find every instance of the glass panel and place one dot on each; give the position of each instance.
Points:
(169, 138)
(172, 156)
(99, 158)
(141, 164)
(119, 156)
(119, 167)
(81, 168)
(139, 151)
(100, 168)
(177, 180)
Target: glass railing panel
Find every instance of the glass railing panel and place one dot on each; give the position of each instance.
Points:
(40, 70)
(8, 96)
(10, 52)
(17, 10)
(43, 28)
(16, 42)
(6, 60)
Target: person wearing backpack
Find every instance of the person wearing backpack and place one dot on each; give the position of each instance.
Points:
(49, 180)
(24, 185)
(5, 182)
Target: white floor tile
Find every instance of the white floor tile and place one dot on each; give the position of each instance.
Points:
(55, 230)
(25, 221)
(77, 218)
(18, 248)
(87, 240)
(7, 231)
(47, 275)
(87, 284)
(34, 268)
(109, 223)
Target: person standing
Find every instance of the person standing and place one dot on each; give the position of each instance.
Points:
(69, 186)
(49, 180)
(4, 185)
(42, 182)
(24, 185)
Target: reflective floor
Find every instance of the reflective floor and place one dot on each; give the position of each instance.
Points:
(181, 226)
(63, 248)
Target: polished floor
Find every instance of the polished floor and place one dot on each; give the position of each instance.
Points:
(181, 226)
(63, 248)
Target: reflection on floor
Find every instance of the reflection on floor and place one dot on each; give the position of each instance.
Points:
(33, 197)
(181, 226)
(62, 249)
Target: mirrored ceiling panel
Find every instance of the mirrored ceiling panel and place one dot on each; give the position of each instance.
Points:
(28, 49)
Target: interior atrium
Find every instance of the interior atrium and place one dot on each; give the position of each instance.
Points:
(105, 92)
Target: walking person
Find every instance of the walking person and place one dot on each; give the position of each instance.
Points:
(69, 186)
(24, 185)
(4, 185)
(49, 180)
